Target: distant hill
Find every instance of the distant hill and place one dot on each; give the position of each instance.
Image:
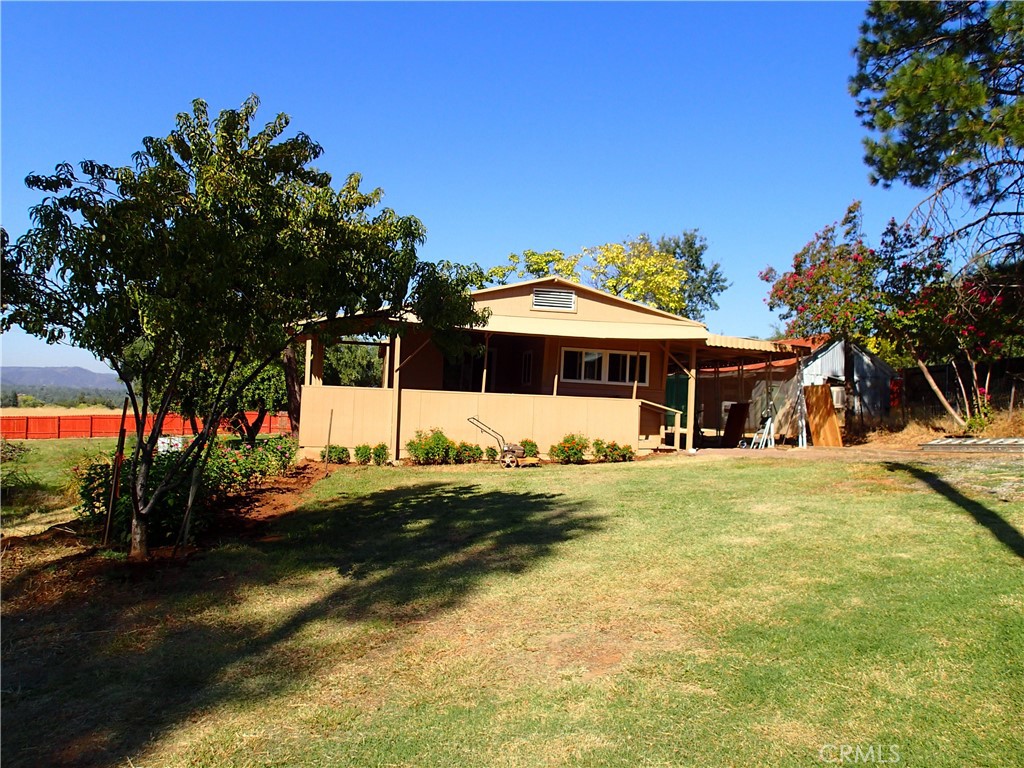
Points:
(13, 376)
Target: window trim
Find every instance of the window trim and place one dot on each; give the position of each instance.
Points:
(645, 382)
(527, 368)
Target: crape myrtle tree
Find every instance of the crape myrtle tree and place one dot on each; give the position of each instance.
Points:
(669, 274)
(939, 86)
(204, 261)
(903, 294)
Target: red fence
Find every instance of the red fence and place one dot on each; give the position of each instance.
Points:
(107, 425)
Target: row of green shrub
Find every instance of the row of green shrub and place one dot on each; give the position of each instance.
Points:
(231, 467)
(434, 447)
(572, 449)
(338, 454)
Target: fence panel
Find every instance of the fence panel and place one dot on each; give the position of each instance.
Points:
(108, 425)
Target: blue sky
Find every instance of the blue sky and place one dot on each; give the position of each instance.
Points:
(502, 126)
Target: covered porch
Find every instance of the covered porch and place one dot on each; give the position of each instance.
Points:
(603, 382)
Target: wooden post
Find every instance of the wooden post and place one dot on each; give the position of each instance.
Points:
(396, 397)
(636, 371)
(483, 378)
(691, 398)
(327, 449)
(115, 475)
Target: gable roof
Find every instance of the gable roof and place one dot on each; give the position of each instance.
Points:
(554, 280)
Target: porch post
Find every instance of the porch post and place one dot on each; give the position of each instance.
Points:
(664, 384)
(636, 371)
(314, 373)
(396, 398)
(385, 369)
(691, 398)
(483, 379)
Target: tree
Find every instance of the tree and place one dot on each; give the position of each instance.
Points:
(265, 394)
(704, 282)
(352, 364)
(903, 296)
(828, 291)
(206, 260)
(670, 275)
(939, 85)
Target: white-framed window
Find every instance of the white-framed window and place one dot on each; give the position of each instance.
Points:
(528, 367)
(602, 366)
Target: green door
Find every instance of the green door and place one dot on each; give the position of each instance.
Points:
(675, 397)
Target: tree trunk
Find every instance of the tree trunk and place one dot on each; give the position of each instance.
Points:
(139, 549)
(250, 431)
(935, 388)
(292, 384)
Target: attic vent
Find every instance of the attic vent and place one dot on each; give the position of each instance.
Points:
(554, 298)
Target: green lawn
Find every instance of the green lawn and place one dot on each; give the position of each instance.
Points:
(47, 492)
(736, 612)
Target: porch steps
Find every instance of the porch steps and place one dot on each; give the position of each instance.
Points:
(976, 444)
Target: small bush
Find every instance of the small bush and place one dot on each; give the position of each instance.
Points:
(381, 454)
(530, 448)
(491, 453)
(612, 451)
(13, 476)
(364, 454)
(335, 454)
(229, 469)
(467, 453)
(571, 449)
(431, 448)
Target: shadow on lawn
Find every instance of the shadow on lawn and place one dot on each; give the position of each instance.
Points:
(1003, 531)
(124, 655)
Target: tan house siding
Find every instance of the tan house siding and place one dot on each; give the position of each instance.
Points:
(517, 301)
(422, 369)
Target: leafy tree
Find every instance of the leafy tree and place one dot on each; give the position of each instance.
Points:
(902, 296)
(265, 394)
(703, 281)
(828, 291)
(939, 86)
(638, 271)
(203, 262)
(352, 365)
(670, 274)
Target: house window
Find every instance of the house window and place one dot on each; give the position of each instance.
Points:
(528, 367)
(556, 299)
(604, 367)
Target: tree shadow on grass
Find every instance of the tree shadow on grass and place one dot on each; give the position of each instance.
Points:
(124, 655)
(1002, 530)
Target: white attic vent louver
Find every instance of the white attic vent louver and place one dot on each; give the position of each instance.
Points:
(554, 298)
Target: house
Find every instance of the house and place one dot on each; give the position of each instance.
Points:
(555, 358)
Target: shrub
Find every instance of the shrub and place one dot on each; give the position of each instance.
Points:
(612, 451)
(231, 467)
(12, 474)
(491, 453)
(335, 454)
(363, 454)
(571, 450)
(530, 448)
(431, 448)
(466, 453)
(381, 454)
(164, 519)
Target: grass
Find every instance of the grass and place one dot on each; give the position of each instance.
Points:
(673, 612)
(47, 492)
